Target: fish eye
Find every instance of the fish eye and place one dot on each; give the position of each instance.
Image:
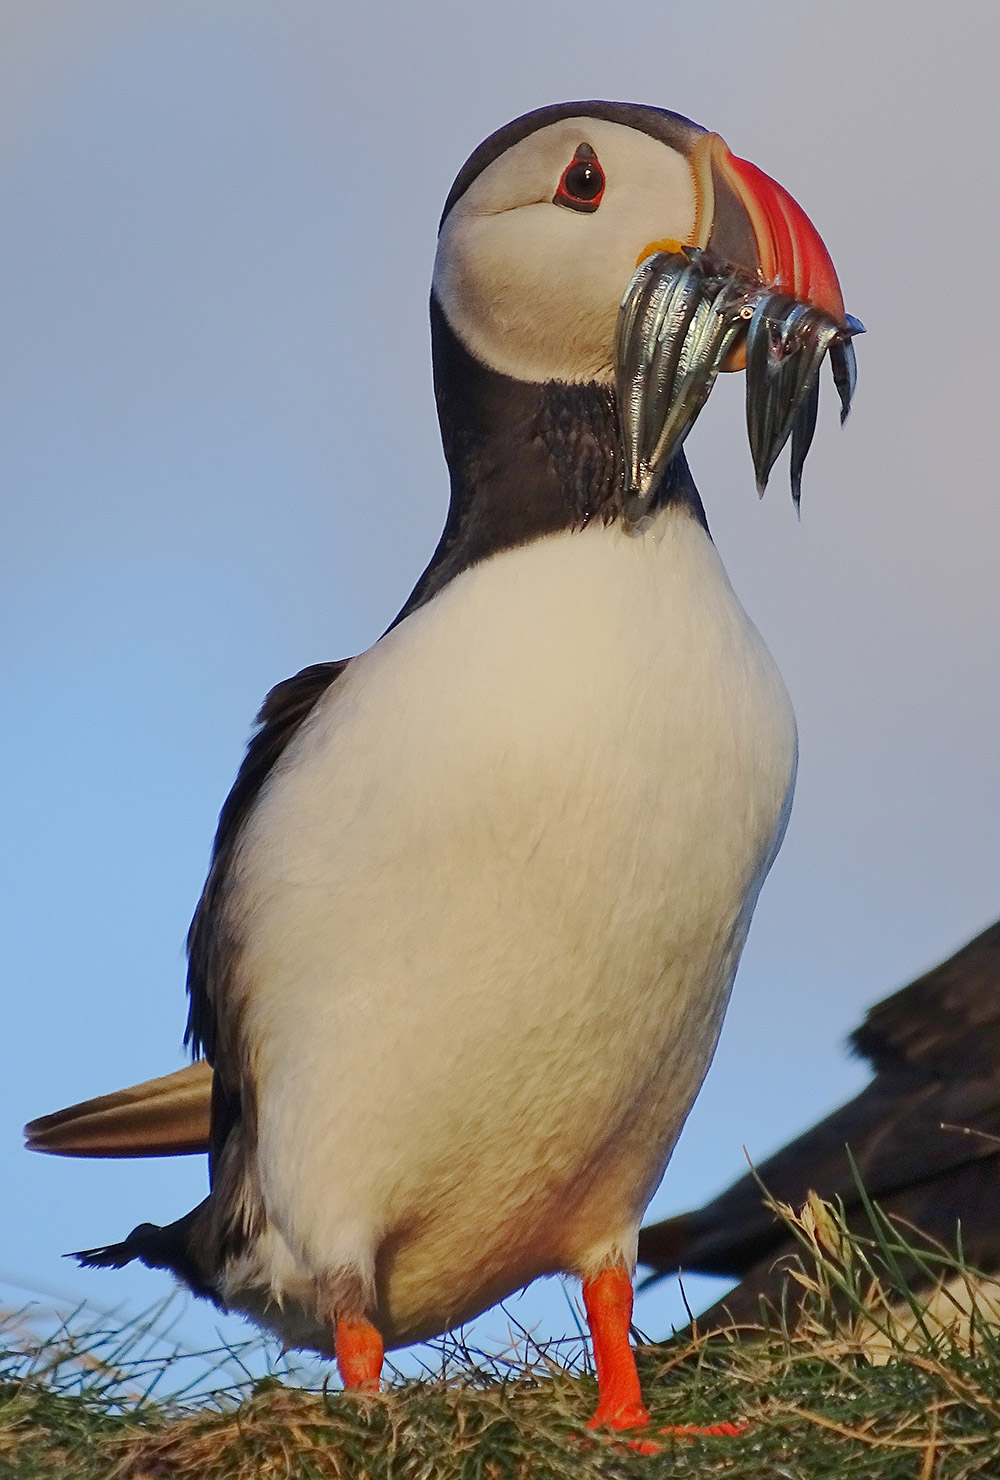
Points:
(582, 183)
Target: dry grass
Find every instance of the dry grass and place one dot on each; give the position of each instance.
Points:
(75, 1402)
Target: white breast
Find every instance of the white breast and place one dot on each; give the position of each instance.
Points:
(491, 904)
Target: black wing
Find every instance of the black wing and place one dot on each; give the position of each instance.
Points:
(194, 1247)
(936, 1048)
(210, 950)
(947, 1022)
(286, 707)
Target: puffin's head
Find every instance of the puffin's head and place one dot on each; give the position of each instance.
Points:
(550, 217)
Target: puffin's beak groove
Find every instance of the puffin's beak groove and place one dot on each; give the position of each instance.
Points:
(757, 288)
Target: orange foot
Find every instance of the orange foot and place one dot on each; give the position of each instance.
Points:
(608, 1301)
(634, 1416)
(359, 1354)
(707, 1431)
(675, 1431)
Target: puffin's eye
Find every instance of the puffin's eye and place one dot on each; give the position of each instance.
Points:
(582, 183)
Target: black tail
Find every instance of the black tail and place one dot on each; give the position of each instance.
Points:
(173, 1247)
(141, 1244)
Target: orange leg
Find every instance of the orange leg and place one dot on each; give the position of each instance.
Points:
(359, 1354)
(608, 1300)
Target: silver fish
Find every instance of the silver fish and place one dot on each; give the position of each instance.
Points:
(683, 315)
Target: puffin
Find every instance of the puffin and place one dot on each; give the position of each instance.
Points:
(477, 896)
(922, 1138)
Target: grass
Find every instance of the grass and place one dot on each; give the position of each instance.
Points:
(83, 1400)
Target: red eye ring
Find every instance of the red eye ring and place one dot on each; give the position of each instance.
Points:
(581, 187)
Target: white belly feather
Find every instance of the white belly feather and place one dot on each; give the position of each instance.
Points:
(491, 904)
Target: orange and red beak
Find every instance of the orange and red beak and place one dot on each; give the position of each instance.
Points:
(753, 288)
(750, 221)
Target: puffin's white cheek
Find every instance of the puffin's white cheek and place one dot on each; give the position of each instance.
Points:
(533, 293)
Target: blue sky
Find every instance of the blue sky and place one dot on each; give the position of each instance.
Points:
(219, 462)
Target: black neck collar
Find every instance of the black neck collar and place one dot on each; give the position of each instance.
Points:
(525, 460)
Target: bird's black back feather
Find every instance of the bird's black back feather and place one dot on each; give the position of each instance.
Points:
(947, 1022)
(924, 1135)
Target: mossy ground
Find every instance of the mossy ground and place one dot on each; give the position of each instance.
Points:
(75, 1403)
(809, 1415)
